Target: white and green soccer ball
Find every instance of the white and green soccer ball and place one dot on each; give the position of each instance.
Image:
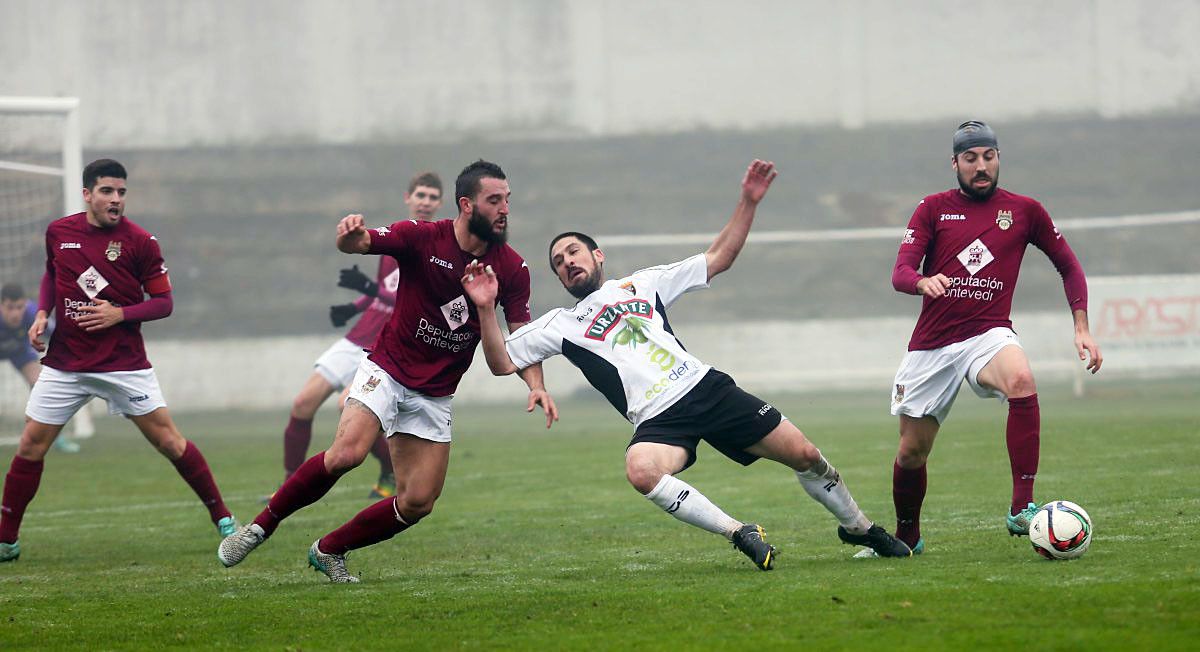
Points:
(1060, 530)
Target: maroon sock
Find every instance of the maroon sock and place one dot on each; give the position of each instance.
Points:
(20, 485)
(296, 438)
(908, 492)
(381, 452)
(303, 488)
(1024, 441)
(194, 470)
(376, 523)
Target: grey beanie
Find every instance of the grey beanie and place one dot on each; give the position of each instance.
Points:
(973, 133)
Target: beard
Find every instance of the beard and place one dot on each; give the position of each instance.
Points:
(973, 192)
(481, 228)
(587, 286)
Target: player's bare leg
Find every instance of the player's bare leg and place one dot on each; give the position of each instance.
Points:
(650, 468)
(822, 482)
(385, 485)
(909, 477)
(159, 429)
(421, 467)
(21, 483)
(1009, 372)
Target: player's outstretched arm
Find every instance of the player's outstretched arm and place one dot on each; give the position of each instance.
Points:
(352, 235)
(481, 287)
(732, 238)
(538, 395)
(1085, 344)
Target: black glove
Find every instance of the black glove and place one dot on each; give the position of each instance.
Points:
(341, 314)
(356, 280)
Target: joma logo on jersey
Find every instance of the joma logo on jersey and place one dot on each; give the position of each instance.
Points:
(611, 314)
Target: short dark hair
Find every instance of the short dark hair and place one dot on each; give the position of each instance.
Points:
(584, 238)
(11, 292)
(105, 167)
(467, 184)
(427, 179)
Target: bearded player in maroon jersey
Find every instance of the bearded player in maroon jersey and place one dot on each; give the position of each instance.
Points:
(99, 267)
(972, 240)
(335, 368)
(403, 389)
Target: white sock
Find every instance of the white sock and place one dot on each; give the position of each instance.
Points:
(681, 500)
(825, 485)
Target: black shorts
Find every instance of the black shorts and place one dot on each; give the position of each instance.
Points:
(717, 411)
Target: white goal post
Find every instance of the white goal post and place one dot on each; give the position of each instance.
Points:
(71, 144)
(41, 169)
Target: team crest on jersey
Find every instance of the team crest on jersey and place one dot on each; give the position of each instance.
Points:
(628, 287)
(91, 282)
(610, 315)
(113, 252)
(455, 312)
(1004, 220)
(898, 396)
(370, 385)
(975, 257)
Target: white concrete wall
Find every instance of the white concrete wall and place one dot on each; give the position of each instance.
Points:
(157, 73)
(765, 357)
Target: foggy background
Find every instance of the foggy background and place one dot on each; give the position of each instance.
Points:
(249, 129)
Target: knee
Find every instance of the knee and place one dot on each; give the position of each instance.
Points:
(340, 459)
(171, 448)
(1022, 384)
(643, 474)
(805, 456)
(32, 450)
(911, 456)
(304, 407)
(413, 507)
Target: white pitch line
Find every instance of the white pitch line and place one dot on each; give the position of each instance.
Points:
(879, 233)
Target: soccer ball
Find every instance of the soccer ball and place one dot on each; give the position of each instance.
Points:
(1060, 530)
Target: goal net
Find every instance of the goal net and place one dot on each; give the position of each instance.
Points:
(40, 169)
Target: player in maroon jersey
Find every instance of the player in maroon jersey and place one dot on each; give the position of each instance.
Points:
(972, 240)
(335, 368)
(99, 267)
(404, 387)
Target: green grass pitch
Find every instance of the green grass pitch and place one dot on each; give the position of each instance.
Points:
(539, 542)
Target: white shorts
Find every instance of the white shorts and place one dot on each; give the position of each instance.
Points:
(339, 363)
(928, 381)
(399, 408)
(57, 395)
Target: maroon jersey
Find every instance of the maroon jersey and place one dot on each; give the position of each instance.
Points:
(85, 263)
(378, 308)
(978, 245)
(428, 343)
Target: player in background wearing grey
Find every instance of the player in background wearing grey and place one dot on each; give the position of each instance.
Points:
(619, 336)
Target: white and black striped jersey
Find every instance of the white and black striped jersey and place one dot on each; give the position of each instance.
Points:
(621, 340)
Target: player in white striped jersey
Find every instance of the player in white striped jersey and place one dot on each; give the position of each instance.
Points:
(619, 336)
